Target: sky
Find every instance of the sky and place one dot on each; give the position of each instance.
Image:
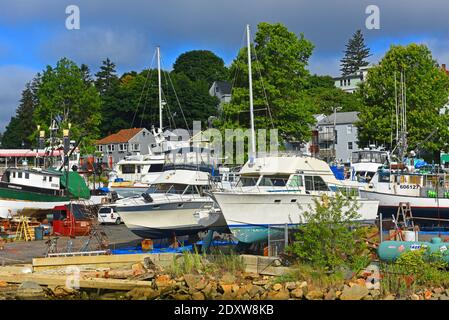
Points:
(33, 33)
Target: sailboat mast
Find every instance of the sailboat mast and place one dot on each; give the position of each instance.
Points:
(251, 103)
(159, 85)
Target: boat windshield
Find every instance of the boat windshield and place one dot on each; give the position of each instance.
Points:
(247, 181)
(173, 188)
(273, 181)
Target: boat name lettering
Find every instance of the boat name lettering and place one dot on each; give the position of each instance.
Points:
(15, 187)
(415, 247)
(391, 247)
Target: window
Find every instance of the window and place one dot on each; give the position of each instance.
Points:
(295, 181)
(350, 145)
(111, 147)
(349, 128)
(19, 175)
(273, 181)
(136, 147)
(128, 168)
(248, 181)
(100, 148)
(45, 178)
(13, 174)
(157, 167)
(349, 82)
(315, 183)
(144, 133)
(50, 179)
(27, 175)
(122, 147)
(139, 170)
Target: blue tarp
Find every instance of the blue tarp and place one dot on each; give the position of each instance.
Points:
(339, 172)
(420, 164)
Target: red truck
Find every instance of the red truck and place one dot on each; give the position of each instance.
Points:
(71, 220)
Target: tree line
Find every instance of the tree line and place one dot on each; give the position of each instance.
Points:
(286, 94)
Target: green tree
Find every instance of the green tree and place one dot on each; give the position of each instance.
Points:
(201, 65)
(280, 78)
(356, 54)
(427, 89)
(63, 93)
(20, 129)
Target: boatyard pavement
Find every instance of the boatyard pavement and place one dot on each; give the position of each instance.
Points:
(19, 252)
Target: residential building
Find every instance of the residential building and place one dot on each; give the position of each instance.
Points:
(336, 135)
(350, 82)
(126, 142)
(221, 90)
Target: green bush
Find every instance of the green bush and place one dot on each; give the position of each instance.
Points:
(330, 237)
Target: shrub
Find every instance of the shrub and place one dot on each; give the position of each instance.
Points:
(330, 237)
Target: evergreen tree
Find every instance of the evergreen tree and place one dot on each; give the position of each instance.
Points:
(87, 78)
(106, 78)
(356, 54)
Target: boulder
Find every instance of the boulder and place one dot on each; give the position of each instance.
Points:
(438, 290)
(356, 292)
(278, 295)
(414, 297)
(192, 280)
(330, 295)
(228, 278)
(297, 293)
(198, 296)
(314, 295)
(254, 290)
(290, 285)
(277, 287)
(143, 294)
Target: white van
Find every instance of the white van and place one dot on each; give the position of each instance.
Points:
(108, 215)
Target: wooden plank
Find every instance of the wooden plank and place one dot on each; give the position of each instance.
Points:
(92, 283)
(86, 260)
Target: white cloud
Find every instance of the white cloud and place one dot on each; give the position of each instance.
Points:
(12, 81)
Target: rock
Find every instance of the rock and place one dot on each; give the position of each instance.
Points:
(447, 292)
(198, 296)
(192, 280)
(255, 290)
(444, 297)
(375, 293)
(368, 297)
(314, 295)
(361, 282)
(414, 297)
(277, 287)
(3, 284)
(181, 296)
(30, 290)
(235, 288)
(226, 288)
(330, 295)
(164, 282)
(438, 290)
(62, 291)
(389, 297)
(338, 294)
(373, 285)
(356, 292)
(228, 278)
(297, 293)
(290, 285)
(303, 284)
(143, 294)
(278, 295)
(427, 294)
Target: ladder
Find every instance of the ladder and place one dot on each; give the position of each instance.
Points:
(405, 212)
(24, 231)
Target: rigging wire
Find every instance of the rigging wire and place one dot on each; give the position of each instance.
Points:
(141, 93)
(263, 87)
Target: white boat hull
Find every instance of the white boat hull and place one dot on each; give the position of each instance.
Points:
(250, 215)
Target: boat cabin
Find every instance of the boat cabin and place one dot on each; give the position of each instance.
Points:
(32, 178)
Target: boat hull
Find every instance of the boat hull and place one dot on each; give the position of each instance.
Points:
(162, 220)
(422, 208)
(253, 217)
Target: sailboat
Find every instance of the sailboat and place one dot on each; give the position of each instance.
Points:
(274, 191)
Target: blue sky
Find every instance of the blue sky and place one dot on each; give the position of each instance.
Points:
(33, 33)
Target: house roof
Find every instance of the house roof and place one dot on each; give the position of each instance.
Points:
(342, 118)
(224, 87)
(122, 136)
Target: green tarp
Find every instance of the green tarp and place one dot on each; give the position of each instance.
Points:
(77, 185)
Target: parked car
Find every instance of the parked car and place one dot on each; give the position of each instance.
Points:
(108, 215)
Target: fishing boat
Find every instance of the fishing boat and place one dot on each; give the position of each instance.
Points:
(426, 191)
(366, 162)
(25, 191)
